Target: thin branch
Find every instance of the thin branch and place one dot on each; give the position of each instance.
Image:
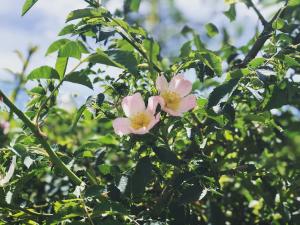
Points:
(133, 44)
(260, 16)
(41, 139)
(44, 103)
(261, 40)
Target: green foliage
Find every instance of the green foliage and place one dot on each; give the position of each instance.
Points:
(211, 29)
(27, 5)
(43, 72)
(232, 160)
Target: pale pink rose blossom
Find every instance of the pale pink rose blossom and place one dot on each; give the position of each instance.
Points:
(175, 97)
(139, 118)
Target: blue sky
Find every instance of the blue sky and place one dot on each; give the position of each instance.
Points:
(41, 25)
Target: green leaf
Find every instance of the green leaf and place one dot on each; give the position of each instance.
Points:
(108, 140)
(141, 177)
(61, 65)
(67, 30)
(43, 72)
(290, 61)
(56, 45)
(80, 77)
(285, 93)
(213, 61)
(70, 49)
(27, 5)
(190, 194)
(278, 24)
(221, 91)
(257, 62)
(294, 2)
(88, 12)
(134, 5)
(152, 48)
(126, 59)
(102, 58)
(77, 117)
(231, 13)
(166, 155)
(211, 30)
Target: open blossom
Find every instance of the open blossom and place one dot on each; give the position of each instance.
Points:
(139, 118)
(175, 97)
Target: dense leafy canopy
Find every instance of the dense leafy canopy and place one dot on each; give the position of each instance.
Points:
(233, 160)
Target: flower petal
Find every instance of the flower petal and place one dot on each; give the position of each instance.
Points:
(161, 83)
(122, 126)
(180, 85)
(172, 112)
(133, 104)
(153, 102)
(187, 103)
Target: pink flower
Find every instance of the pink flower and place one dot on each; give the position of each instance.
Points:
(139, 118)
(4, 125)
(174, 96)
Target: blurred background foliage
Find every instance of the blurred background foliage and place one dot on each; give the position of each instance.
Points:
(232, 160)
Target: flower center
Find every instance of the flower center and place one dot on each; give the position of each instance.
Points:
(140, 120)
(172, 99)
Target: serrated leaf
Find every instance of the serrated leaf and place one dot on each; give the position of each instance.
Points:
(88, 12)
(56, 45)
(70, 49)
(43, 72)
(67, 30)
(257, 62)
(80, 77)
(213, 61)
(102, 58)
(27, 5)
(77, 116)
(61, 65)
(221, 91)
(126, 59)
(166, 155)
(278, 24)
(141, 177)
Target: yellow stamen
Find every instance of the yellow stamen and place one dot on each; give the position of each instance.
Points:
(140, 120)
(172, 100)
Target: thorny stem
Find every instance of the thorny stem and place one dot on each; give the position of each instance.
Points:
(262, 38)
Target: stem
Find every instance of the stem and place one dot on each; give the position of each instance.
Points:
(43, 105)
(28, 211)
(133, 44)
(41, 139)
(260, 16)
(262, 38)
(21, 80)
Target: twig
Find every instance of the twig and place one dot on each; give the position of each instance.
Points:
(262, 38)
(42, 106)
(260, 16)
